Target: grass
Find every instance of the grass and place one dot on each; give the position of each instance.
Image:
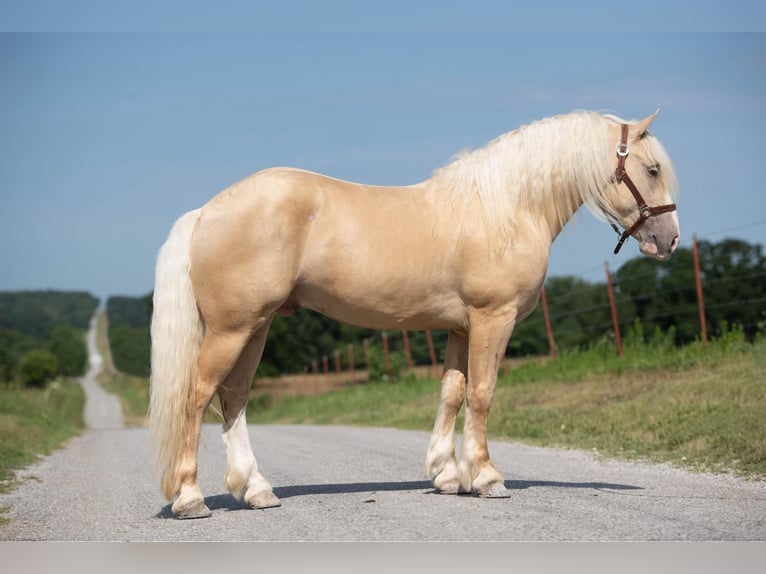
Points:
(35, 422)
(133, 393)
(707, 417)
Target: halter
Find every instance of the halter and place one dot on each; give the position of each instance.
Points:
(645, 211)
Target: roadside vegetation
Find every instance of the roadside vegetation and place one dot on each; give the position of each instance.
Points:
(34, 422)
(42, 350)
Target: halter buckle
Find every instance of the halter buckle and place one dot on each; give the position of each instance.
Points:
(623, 149)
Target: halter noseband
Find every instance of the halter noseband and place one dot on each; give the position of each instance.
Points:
(645, 211)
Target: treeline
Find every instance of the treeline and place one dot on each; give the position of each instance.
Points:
(658, 297)
(655, 297)
(292, 342)
(42, 335)
(128, 319)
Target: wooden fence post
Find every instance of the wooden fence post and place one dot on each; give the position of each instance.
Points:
(325, 365)
(351, 361)
(314, 367)
(613, 307)
(698, 281)
(337, 361)
(548, 330)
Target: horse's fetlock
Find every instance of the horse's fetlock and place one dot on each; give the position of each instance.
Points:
(236, 483)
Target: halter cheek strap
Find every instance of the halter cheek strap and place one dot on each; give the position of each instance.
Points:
(645, 211)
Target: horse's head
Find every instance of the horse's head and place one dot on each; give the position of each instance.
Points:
(641, 193)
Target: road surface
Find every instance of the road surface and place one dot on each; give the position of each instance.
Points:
(366, 484)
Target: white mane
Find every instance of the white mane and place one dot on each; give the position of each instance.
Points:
(546, 169)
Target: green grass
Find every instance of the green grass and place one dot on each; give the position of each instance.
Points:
(709, 416)
(35, 422)
(133, 393)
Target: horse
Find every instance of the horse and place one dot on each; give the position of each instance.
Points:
(464, 251)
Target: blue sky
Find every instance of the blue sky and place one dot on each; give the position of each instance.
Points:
(105, 139)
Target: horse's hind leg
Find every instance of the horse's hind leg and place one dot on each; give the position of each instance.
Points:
(441, 465)
(243, 479)
(217, 355)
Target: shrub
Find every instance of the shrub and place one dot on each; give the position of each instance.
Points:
(38, 367)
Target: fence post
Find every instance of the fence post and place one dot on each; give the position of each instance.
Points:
(337, 361)
(314, 367)
(325, 365)
(384, 336)
(432, 353)
(613, 307)
(698, 281)
(548, 330)
(407, 353)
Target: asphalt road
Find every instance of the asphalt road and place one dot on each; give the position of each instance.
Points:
(366, 484)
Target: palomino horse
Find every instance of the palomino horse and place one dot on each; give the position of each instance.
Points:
(466, 251)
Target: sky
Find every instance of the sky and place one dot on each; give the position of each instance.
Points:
(107, 138)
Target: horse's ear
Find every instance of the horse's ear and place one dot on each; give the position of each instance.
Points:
(640, 128)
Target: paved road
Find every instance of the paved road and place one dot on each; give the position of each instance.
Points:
(102, 409)
(351, 484)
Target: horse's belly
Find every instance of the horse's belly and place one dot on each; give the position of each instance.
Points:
(379, 309)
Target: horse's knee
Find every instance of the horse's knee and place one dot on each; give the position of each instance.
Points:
(452, 389)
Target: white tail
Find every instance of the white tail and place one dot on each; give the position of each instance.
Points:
(177, 331)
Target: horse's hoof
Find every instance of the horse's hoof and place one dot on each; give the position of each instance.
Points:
(494, 490)
(266, 499)
(197, 509)
(449, 487)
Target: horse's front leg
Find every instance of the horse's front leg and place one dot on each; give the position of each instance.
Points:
(441, 465)
(486, 347)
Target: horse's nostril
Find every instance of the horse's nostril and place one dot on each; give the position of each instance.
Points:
(674, 243)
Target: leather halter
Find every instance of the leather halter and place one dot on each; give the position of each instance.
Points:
(645, 211)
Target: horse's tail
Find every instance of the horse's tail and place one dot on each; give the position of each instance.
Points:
(177, 331)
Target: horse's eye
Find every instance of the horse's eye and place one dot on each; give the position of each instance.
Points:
(654, 170)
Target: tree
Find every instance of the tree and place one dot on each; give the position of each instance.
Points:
(129, 341)
(734, 281)
(38, 367)
(70, 350)
(130, 349)
(659, 294)
(13, 346)
(36, 313)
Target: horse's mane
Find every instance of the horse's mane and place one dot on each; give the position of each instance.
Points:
(546, 169)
